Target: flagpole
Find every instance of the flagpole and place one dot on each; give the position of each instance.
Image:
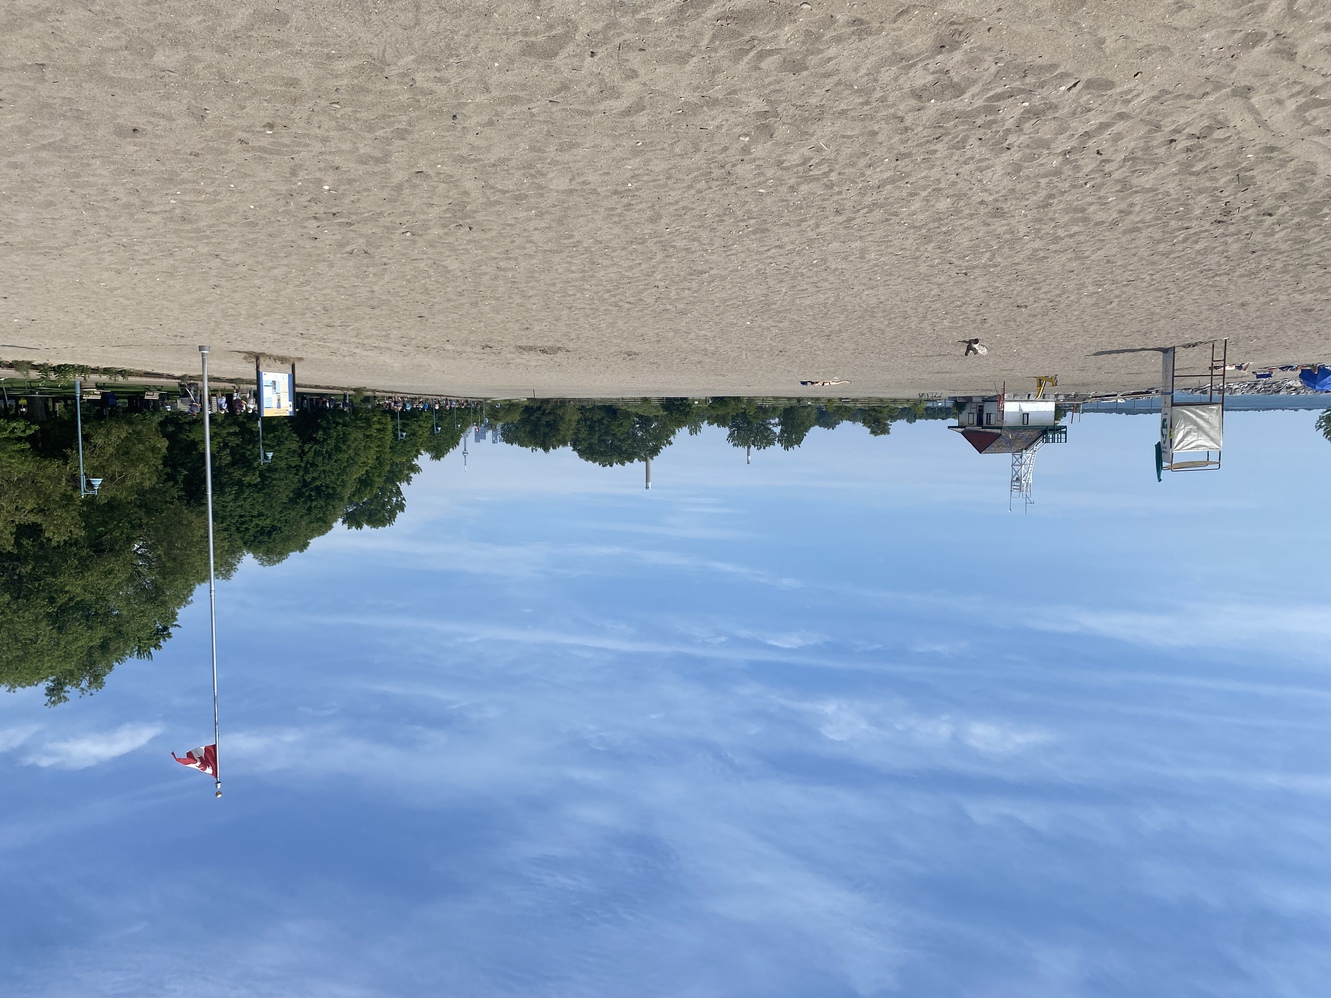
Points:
(212, 581)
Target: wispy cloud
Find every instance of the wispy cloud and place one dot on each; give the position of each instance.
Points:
(793, 639)
(1224, 623)
(12, 738)
(1001, 739)
(93, 748)
(543, 558)
(695, 532)
(899, 723)
(946, 648)
(422, 633)
(583, 786)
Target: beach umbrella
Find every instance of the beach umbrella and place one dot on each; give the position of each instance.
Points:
(1317, 378)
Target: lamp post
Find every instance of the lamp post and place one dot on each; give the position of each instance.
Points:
(87, 486)
(264, 456)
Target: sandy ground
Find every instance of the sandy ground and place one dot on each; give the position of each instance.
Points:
(665, 197)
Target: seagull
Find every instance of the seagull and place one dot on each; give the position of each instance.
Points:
(974, 346)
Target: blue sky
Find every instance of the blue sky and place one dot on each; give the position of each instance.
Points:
(835, 723)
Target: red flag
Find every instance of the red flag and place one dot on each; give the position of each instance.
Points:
(203, 759)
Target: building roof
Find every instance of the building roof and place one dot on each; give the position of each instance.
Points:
(1007, 440)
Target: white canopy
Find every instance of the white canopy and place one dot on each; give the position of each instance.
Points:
(1196, 427)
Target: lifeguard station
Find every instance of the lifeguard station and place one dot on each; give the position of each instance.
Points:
(1018, 424)
(1192, 429)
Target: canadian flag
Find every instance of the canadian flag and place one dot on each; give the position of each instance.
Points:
(203, 759)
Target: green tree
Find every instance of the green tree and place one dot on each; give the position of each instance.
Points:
(87, 583)
(611, 435)
(751, 429)
(542, 424)
(33, 491)
(76, 598)
(445, 430)
(794, 424)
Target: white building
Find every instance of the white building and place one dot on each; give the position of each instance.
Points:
(1010, 411)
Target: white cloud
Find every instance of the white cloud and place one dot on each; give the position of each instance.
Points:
(946, 648)
(540, 559)
(93, 749)
(1000, 739)
(12, 738)
(705, 640)
(1193, 625)
(799, 639)
(894, 733)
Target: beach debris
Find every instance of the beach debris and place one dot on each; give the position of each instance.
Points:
(974, 347)
(824, 384)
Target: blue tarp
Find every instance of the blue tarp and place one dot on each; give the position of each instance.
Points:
(1318, 380)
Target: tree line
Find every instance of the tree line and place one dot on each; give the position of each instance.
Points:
(88, 583)
(620, 433)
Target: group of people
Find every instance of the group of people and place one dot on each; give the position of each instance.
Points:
(397, 403)
(247, 403)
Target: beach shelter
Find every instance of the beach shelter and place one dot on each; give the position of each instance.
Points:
(1317, 378)
(1192, 429)
(1197, 427)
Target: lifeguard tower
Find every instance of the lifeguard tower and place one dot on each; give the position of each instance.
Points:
(1014, 424)
(1192, 427)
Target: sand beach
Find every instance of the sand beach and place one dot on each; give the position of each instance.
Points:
(591, 198)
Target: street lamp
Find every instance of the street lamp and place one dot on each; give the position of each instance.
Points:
(265, 456)
(87, 486)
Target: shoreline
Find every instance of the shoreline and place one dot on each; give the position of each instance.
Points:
(60, 383)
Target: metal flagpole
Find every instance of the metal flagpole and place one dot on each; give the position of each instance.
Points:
(78, 414)
(212, 581)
